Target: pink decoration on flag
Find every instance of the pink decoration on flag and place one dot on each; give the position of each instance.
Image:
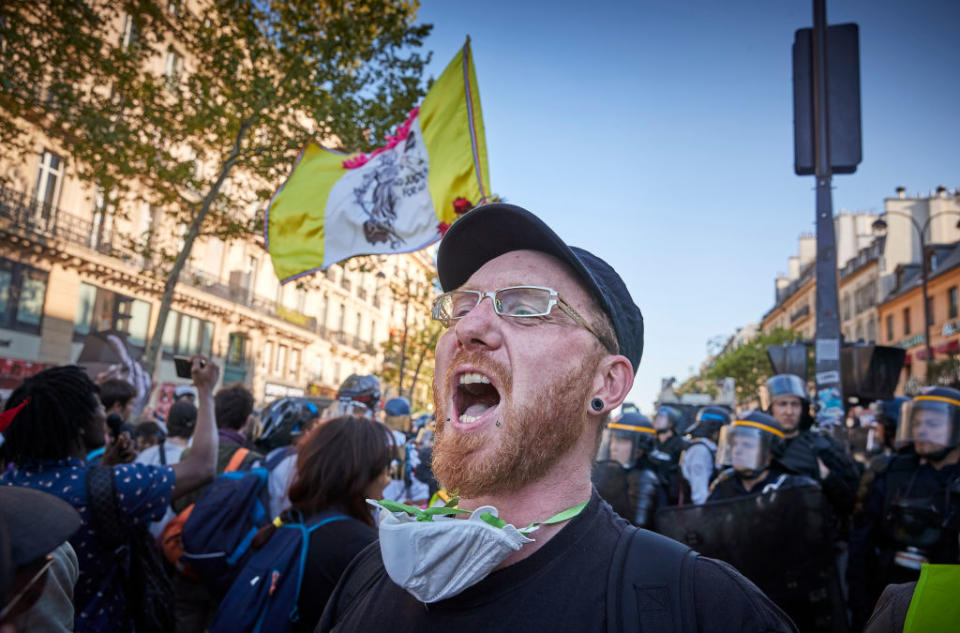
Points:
(392, 141)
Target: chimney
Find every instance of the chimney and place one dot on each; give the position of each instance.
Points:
(901, 192)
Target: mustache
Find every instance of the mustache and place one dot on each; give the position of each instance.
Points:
(480, 362)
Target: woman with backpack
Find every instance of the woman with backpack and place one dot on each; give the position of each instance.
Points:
(51, 421)
(341, 463)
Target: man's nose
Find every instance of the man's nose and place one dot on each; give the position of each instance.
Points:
(480, 327)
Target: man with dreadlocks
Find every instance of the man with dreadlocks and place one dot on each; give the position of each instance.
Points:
(50, 422)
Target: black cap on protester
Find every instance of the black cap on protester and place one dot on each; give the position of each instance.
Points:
(32, 524)
(489, 231)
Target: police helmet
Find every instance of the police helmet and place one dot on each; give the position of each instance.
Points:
(625, 436)
(749, 442)
(397, 414)
(709, 420)
(667, 418)
(931, 421)
(787, 385)
(284, 419)
(359, 395)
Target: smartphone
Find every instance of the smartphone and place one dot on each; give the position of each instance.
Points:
(184, 366)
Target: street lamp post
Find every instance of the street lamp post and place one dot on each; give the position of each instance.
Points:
(880, 226)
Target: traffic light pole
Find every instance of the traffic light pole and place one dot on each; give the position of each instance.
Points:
(829, 396)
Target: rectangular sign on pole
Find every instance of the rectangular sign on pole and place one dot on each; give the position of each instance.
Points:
(843, 99)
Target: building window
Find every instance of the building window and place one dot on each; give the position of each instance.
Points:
(373, 331)
(23, 290)
(236, 348)
(281, 359)
(129, 34)
(46, 194)
(906, 321)
(294, 362)
(889, 327)
(343, 314)
(185, 335)
(952, 301)
(100, 309)
(871, 330)
(172, 69)
(267, 353)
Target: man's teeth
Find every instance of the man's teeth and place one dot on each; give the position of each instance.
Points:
(473, 377)
(468, 419)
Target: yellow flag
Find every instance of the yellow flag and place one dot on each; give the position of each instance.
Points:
(399, 198)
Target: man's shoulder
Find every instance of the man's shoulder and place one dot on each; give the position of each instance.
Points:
(726, 600)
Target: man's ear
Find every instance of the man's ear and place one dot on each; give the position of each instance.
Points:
(611, 384)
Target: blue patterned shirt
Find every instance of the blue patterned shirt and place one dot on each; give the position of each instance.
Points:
(143, 495)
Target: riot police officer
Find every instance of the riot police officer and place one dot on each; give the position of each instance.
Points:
(745, 451)
(912, 512)
(626, 473)
(810, 453)
(771, 524)
(697, 461)
(668, 422)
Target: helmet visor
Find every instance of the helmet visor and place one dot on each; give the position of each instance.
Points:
(745, 448)
(929, 422)
(787, 385)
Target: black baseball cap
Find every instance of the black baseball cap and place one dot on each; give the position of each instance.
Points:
(489, 231)
(36, 522)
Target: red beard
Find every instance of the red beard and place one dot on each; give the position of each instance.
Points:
(532, 436)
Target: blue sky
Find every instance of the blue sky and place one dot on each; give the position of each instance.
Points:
(658, 134)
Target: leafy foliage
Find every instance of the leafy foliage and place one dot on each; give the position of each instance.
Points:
(748, 364)
(202, 114)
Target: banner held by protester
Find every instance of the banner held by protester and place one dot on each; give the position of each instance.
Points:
(399, 198)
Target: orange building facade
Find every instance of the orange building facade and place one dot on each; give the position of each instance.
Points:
(901, 314)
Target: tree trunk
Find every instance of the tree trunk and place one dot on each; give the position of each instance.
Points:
(403, 344)
(423, 355)
(151, 354)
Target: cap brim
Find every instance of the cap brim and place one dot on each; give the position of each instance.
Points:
(489, 231)
(36, 522)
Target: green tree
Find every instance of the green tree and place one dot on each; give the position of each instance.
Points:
(201, 114)
(408, 350)
(748, 364)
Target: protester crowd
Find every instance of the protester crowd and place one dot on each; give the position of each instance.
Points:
(222, 518)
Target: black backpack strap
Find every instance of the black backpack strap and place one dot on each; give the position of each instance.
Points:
(651, 584)
(361, 575)
(163, 453)
(105, 515)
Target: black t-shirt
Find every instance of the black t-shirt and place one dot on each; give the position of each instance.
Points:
(332, 547)
(560, 587)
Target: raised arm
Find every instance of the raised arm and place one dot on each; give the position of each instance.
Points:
(200, 465)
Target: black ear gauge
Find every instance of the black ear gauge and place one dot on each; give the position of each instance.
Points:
(498, 422)
(596, 404)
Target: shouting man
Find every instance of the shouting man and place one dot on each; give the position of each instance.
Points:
(523, 385)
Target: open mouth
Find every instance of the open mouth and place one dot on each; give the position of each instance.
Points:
(475, 395)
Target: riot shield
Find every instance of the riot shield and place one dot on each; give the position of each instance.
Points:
(781, 540)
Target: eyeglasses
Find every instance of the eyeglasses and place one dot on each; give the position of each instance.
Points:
(29, 594)
(514, 301)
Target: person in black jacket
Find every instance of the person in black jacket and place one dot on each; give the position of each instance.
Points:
(341, 462)
(626, 472)
(911, 513)
(746, 449)
(812, 453)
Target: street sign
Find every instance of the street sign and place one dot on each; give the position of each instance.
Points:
(843, 99)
